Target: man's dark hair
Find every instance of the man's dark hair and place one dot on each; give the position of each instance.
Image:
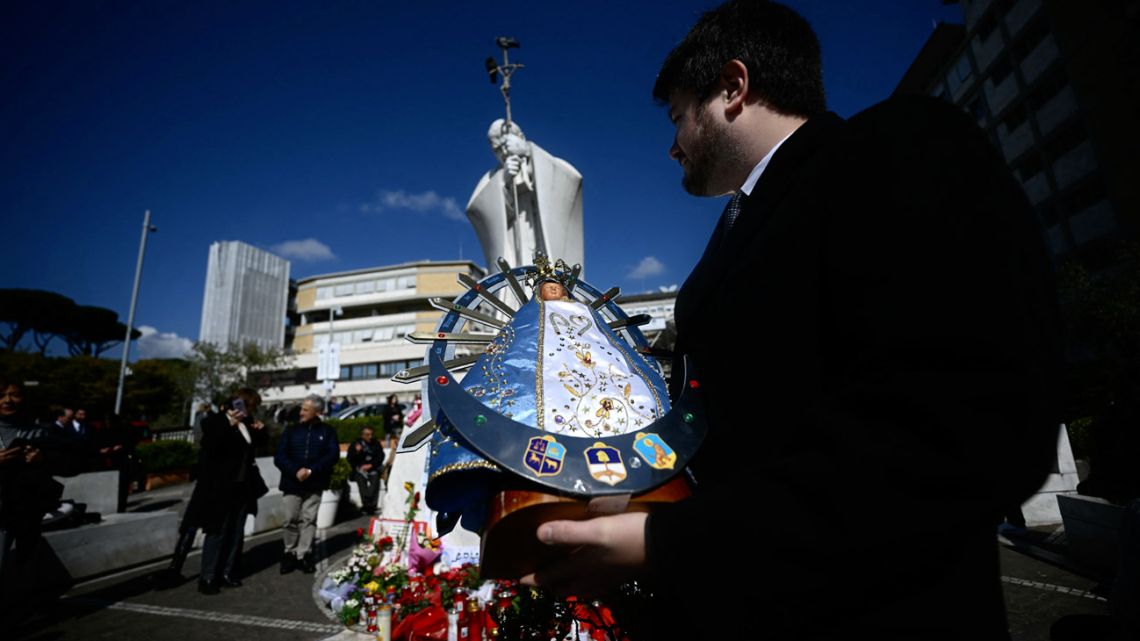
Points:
(774, 42)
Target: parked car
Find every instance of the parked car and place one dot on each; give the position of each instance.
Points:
(356, 411)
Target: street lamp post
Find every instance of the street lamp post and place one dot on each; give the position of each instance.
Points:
(146, 229)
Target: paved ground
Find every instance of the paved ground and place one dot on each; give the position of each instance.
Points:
(1038, 592)
(267, 606)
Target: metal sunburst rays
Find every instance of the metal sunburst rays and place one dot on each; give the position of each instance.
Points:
(464, 306)
(494, 301)
(505, 268)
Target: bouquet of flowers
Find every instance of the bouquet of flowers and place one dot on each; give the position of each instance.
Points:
(398, 569)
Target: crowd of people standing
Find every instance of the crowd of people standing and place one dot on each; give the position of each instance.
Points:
(229, 482)
(228, 485)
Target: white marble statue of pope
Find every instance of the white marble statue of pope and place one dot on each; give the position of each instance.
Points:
(548, 215)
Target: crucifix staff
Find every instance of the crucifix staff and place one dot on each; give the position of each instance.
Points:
(507, 69)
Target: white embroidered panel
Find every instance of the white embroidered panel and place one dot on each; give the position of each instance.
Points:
(589, 387)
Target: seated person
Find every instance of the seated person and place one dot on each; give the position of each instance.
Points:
(366, 456)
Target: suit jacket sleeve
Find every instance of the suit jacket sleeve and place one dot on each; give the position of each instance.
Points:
(920, 395)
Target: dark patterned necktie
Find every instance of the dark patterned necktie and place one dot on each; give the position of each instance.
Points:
(731, 211)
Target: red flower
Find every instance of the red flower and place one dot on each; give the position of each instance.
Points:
(359, 531)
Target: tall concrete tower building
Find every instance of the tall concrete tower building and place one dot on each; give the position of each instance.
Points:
(246, 293)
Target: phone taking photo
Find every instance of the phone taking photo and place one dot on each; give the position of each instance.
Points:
(239, 405)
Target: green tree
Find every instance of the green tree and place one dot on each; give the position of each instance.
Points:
(95, 330)
(58, 319)
(32, 310)
(1102, 314)
(1101, 305)
(159, 389)
(217, 372)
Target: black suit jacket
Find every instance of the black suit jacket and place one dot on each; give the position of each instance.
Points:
(876, 340)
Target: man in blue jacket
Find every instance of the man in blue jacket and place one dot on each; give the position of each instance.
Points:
(305, 456)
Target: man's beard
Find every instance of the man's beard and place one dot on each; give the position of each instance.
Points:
(707, 160)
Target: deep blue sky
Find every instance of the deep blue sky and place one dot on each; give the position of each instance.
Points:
(270, 122)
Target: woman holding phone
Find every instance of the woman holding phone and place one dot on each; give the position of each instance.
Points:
(228, 487)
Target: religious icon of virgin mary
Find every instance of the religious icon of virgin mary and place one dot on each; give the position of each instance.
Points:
(558, 403)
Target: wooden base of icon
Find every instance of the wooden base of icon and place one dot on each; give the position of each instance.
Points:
(510, 547)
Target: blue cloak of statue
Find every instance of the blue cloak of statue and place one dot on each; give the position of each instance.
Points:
(559, 368)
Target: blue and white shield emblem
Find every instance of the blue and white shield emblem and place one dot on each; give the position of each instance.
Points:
(655, 451)
(544, 456)
(605, 463)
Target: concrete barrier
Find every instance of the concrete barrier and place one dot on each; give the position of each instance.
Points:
(127, 539)
(269, 471)
(1092, 528)
(99, 490)
(119, 541)
(270, 508)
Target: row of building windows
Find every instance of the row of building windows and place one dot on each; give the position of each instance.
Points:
(1085, 194)
(656, 311)
(308, 375)
(371, 371)
(370, 335)
(1026, 42)
(370, 286)
(988, 23)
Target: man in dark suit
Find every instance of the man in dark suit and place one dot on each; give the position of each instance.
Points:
(63, 421)
(874, 330)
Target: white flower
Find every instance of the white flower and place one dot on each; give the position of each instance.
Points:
(486, 593)
(352, 603)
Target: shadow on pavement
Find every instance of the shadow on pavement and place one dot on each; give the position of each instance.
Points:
(339, 543)
(157, 505)
(261, 557)
(77, 607)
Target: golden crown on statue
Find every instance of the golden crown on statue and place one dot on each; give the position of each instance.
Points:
(558, 271)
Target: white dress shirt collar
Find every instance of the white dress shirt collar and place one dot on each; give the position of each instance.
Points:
(750, 184)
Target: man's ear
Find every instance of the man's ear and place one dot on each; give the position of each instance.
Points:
(733, 87)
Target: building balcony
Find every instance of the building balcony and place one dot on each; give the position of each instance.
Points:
(1055, 239)
(1057, 110)
(999, 97)
(1074, 165)
(1092, 223)
(1040, 59)
(986, 52)
(974, 10)
(1020, 14)
(1036, 188)
(1015, 143)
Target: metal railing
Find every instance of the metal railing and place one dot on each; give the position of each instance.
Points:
(175, 435)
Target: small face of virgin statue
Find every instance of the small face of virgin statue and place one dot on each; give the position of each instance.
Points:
(551, 291)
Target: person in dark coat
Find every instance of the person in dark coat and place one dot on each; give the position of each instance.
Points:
(306, 455)
(366, 456)
(905, 305)
(227, 490)
(29, 456)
